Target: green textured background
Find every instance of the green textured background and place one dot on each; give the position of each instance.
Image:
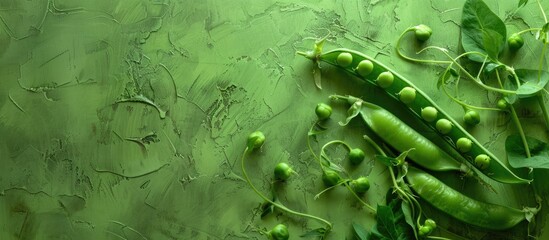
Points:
(221, 69)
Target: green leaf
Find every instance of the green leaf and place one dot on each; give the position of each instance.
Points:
(318, 232)
(387, 161)
(391, 223)
(510, 85)
(516, 154)
(360, 232)
(490, 67)
(522, 3)
(489, 37)
(481, 30)
(408, 217)
(543, 34)
(531, 84)
(443, 79)
(353, 111)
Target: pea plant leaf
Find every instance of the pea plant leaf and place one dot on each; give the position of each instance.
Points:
(510, 85)
(516, 154)
(391, 223)
(533, 82)
(360, 232)
(319, 233)
(522, 3)
(481, 30)
(543, 34)
(353, 111)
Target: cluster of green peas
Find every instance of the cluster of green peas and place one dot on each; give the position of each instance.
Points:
(408, 94)
(397, 87)
(420, 105)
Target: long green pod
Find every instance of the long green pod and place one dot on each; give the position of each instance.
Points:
(376, 74)
(400, 136)
(466, 209)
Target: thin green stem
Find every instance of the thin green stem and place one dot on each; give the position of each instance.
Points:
(463, 104)
(329, 188)
(399, 52)
(475, 80)
(528, 30)
(278, 205)
(541, 103)
(359, 199)
(455, 99)
(542, 12)
(515, 118)
(439, 238)
(542, 56)
(309, 141)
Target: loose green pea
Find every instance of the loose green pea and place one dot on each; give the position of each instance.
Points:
(283, 171)
(356, 156)
(279, 232)
(471, 118)
(482, 161)
(255, 140)
(429, 114)
(407, 95)
(344, 59)
(422, 32)
(431, 223)
(502, 104)
(444, 126)
(330, 178)
(424, 231)
(360, 185)
(515, 42)
(464, 144)
(365, 67)
(323, 111)
(385, 79)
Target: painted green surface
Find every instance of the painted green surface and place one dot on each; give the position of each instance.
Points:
(80, 162)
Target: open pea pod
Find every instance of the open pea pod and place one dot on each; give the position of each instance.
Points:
(402, 90)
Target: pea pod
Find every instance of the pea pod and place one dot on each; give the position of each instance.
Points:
(401, 136)
(481, 214)
(379, 76)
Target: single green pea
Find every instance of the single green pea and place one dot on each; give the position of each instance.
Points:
(279, 232)
(283, 171)
(515, 42)
(502, 104)
(330, 178)
(431, 223)
(407, 95)
(356, 156)
(422, 32)
(471, 118)
(482, 161)
(360, 185)
(429, 114)
(424, 231)
(444, 126)
(255, 140)
(385, 79)
(365, 67)
(464, 144)
(344, 59)
(323, 111)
